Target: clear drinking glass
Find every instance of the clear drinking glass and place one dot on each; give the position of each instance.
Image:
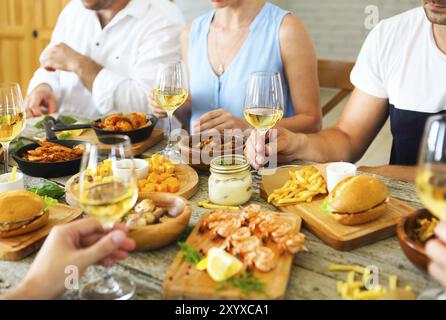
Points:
(171, 92)
(108, 201)
(431, 173)
(264, 102)
(12, 116)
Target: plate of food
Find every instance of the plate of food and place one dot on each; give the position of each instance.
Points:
(157, 220)
(50, 159)
(26, 219)
(158, 175)
(137, 126)
(358, 211)
(236, 254)
(198, 150)
(414, 231)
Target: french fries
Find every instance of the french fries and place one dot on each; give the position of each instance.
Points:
(353, 289)
(302, 186)
(209, 205)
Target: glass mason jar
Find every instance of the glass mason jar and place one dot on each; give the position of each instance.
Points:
(230, 183)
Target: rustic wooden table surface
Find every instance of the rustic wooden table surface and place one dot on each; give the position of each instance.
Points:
(309, 279)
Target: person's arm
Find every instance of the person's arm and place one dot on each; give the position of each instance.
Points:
(300, 64)
(348, 140)
(80, 244)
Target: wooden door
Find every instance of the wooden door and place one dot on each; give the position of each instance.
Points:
(25, 29)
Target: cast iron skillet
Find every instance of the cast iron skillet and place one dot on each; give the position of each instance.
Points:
(48, 169)
(135, 136)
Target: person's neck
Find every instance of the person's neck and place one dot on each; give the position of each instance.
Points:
(239, 15)
(107, 15)
(440, 36)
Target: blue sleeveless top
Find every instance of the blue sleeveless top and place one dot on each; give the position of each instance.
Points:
(260, 52)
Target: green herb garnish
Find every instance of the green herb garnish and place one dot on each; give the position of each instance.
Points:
(67, 120)
(65, 136)
(49, 189)
(190, 254)
(246, 282)
(16, 146)
(186, 233)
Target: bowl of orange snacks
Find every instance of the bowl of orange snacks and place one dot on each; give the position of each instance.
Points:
(161, 178)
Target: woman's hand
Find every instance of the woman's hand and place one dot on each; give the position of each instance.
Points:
(81, 244)
(436, 251)
(218, 120)
(155, 109)
(278, 141)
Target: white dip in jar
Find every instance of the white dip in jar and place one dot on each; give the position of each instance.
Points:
(230, 183)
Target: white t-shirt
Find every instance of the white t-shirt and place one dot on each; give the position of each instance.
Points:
(401, 61)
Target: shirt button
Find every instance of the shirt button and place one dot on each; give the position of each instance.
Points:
(97, 44)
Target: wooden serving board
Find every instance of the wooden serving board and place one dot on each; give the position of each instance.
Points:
(17, 248)
(326, 228)
(189, 183)
(183, 281)
(138, 148)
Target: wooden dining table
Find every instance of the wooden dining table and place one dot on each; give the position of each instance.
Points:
(310, 277)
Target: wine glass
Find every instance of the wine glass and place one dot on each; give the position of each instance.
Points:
(12, 116)
(264, 102)
(108, 200)
(431, 173)
(170, 93)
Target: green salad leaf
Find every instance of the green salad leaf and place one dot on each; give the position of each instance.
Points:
(326, 207)
(246, 282)
(49, 189)
(190, 254)
(49, 202)
(65, 136)
(39, 124)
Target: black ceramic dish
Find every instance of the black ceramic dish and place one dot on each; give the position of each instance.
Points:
(135, 136)
(48, 169)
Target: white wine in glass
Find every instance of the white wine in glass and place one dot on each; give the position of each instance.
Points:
(264, 102)
(170, 93)
(12, 116)
(431, 173)
(108, 200)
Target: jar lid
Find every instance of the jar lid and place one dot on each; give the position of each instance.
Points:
(228, 164)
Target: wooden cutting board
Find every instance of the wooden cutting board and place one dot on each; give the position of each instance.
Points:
(326, 228)
(189, 183)
(138, 148)
(17, 248)
(183, 281)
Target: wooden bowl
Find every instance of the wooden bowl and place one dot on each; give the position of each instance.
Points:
(159, 235)
(200, 159)
(414, 250)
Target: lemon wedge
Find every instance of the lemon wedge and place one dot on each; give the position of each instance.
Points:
(222, 265)
(202, 265)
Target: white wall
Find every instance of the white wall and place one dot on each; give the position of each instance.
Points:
(337, 26)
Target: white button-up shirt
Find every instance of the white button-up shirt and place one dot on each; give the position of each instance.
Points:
(142, 35)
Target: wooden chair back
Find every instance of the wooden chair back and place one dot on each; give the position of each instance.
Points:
(335, 75)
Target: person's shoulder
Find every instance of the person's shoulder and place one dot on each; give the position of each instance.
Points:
(401, 24)
(293, 29)
(202, 20)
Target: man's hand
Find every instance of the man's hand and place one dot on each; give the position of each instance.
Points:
(60, 57)
(436, 251)
(281, 141)
(81, 244)
(219, 120)
(41, 100)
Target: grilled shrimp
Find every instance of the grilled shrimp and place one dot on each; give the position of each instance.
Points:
(138, 120)
(245, 246)
(264, 259)
(226, 228)
(292, 242)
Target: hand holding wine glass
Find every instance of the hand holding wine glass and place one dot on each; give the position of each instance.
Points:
(108, 200)
(264, 102)
(12, 116)
(171, 92)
